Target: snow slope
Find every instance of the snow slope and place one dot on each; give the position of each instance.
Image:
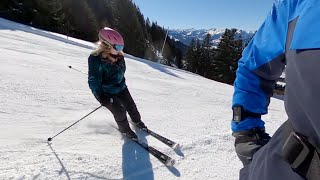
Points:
(40, 96)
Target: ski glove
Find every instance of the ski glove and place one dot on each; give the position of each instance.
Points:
(105, 100)
(247, 143)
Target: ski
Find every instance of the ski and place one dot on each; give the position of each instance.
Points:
(166, 141)
(165, 159)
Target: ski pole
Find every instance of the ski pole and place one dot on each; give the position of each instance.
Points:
(77, 70)
(50, 138)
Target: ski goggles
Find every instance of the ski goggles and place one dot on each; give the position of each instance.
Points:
(117, 47)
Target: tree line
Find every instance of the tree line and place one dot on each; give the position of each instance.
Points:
(84, 18)
(218, 63)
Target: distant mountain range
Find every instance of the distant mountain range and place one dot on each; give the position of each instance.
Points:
(186, 35)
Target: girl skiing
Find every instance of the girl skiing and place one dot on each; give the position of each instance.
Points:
(107, 82)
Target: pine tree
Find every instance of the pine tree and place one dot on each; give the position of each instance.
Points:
(205, 56)
(79, 20)
(25, 11)
(11, 9)
(178, 58)
(148, 25)
(190, 56)
(193, 56)
(228, 53)
(198, 51)
(103, 11)
(46, 14)
(128, 25)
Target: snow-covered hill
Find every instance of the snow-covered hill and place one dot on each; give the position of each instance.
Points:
(186, 35)
(40, 96)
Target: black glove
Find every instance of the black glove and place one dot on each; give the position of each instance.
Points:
(105, 100)
(247, 143)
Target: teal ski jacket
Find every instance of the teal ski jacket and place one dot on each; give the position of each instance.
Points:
(106, 77)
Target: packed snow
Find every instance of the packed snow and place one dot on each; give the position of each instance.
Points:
(40, 96)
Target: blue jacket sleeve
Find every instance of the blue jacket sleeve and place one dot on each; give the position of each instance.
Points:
(95, 76)
(261, 64)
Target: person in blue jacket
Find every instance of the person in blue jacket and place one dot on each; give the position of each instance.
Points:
(288, 39)
(107, 82)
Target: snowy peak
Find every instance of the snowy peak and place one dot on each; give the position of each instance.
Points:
(186, 35)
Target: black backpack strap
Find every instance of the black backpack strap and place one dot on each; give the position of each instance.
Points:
(301, 155)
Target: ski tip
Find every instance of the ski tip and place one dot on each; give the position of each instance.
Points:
(170, 162)
(176, 146)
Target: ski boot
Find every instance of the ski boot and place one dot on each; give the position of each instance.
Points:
(125, 129)
(141, 125)
(130, 134)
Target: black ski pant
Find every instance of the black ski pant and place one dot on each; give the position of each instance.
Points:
(120, 104)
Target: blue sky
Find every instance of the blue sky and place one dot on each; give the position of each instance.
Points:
(206, 14)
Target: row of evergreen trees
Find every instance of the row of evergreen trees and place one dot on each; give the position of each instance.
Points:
(84, 18)
(219, 63)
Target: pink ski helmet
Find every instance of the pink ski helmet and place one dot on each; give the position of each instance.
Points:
(111, 38)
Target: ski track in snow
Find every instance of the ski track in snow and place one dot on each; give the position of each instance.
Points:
(40, 96)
